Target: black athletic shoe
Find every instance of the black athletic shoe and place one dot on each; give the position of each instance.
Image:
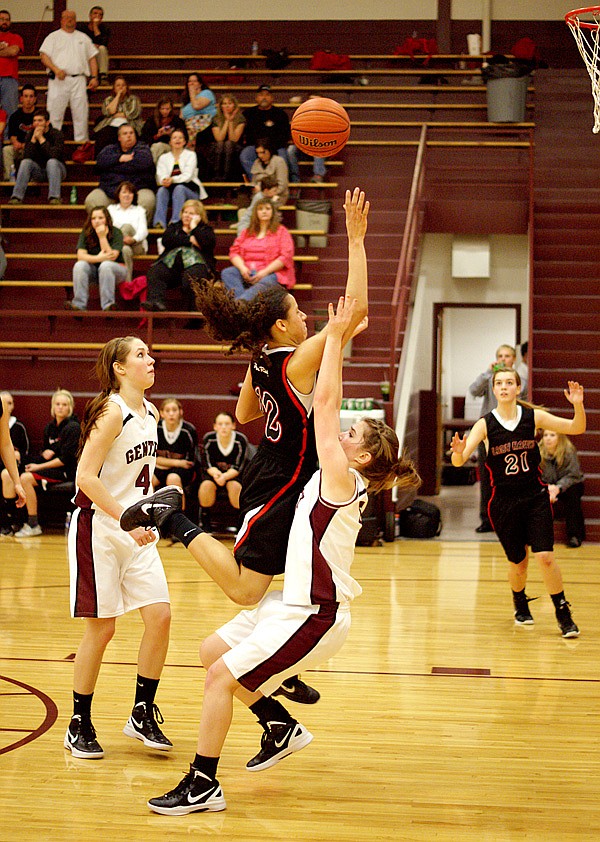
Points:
(279, 740)
(81, 741)
(143, 725)
(153, 510)
(522, 613)
(195, 793)
(297, 691)
(567, 625)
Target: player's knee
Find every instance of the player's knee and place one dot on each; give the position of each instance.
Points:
(545, 559)
(218, 677)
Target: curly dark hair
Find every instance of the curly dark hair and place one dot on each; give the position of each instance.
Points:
(246, 324)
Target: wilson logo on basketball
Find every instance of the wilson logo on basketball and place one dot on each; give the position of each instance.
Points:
(315, 143)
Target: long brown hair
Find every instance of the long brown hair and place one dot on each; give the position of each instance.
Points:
(157, 115)
(564, 445)
(386, 469)
(254, 226)
(115, 351)
(89, 233)
(500, 369)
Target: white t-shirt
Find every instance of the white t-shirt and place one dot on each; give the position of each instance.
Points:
(135, 216)
(70, 51)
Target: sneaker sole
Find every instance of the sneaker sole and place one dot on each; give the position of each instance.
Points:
(571, 633)
(295, 744)
(129, 731)
(82, 755)
(214, 805)
(524, 622)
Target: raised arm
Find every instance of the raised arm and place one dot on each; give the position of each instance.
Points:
(570, 426)
(7, 452)
(463, 448)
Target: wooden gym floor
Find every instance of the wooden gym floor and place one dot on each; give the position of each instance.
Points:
(439, 720)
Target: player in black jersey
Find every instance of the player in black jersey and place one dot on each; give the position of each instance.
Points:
(177, 443)
(7, 453)
(519, 507)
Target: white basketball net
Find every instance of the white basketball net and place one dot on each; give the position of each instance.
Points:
(585, 26)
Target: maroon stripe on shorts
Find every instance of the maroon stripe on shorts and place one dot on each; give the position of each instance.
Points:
(293, 650)
(86, 597)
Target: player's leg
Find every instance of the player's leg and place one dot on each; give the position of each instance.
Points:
(32, 528)
(554, 585)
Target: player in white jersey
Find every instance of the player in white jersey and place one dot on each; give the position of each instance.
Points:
(307, 622)
(113, 572)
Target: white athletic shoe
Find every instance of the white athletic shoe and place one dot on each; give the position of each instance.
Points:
(27, 531)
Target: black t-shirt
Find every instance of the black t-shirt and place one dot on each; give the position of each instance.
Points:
(20, 125)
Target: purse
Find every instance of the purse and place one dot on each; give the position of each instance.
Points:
(84, 153)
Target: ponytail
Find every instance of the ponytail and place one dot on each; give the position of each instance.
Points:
(386, 469)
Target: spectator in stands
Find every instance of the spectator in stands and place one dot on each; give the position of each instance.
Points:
(99, 260)
(127, 160)
(11, 46)
(119, 107)
(70, 57)
(227, 129)
(3, 122)
(268, 163)
(294, 155)
(127, 215)
(189, 247)
(265, 189)
(262, 255)
(199, 109)
(157, 129)
(43, 159)
(177, 444)
(264, 120)
(223, 455)
(99, 32)
(20, 126)
(562, 471)
(177, 177)
(58, 461)
(20, 442)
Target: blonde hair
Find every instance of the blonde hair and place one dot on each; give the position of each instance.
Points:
(563, 446)
(62, 393)
(386, 469)
(167, 401)
(197, 205)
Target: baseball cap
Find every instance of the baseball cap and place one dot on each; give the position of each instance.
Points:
(263, 88)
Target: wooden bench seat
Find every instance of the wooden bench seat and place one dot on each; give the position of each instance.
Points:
(227, 232)
(69, 283)
(298, 258)
(292, 57)
(233, 72)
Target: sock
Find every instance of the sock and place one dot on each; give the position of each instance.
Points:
(268, 709)
(558, 599)
(82, 705)
(519, 598)
(32, 520)
(206, 765)
(145, 690)
(11, 510)
(181, 527)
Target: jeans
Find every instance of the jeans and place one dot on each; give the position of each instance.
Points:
(248, 156)
(294, 154)
(179, 193)
(232, 278)
(106, 274)
(9, 98)
(55, 172)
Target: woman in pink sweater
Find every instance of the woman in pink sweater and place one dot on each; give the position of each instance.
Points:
(262, 256)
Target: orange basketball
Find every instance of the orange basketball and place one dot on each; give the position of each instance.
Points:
(320, 127)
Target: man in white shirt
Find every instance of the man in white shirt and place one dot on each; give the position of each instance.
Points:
(70, 58)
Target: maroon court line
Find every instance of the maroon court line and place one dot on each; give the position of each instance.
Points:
(49, 719)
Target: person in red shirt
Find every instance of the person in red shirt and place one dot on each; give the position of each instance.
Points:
(11, 46)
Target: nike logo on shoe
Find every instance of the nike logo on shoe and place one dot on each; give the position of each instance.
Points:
(286, 736)
(148, 507)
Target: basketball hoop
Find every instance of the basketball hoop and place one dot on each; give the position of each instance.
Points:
(585, 26)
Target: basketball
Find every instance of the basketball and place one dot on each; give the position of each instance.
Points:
(320, 127)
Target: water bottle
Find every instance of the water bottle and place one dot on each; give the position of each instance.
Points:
(254, 48)
(13, 173)
(67, 523)
(73, 196)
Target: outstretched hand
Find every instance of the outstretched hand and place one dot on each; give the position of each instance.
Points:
(360, 327)
(574, 394)
(340, 319)
(457, 445)
(357, 211)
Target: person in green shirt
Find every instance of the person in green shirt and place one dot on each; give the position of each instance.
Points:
(99, 260)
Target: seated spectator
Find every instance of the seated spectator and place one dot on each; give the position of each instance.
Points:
(199, 109)
(127, 160)
(177, 177)
(157, 129)
(223, 456)
(99, 260)
(58, 461)
(265, 189)
(43, 159)
(562, 471)
(99, 32)
(20, 442)
(268, 163)
(264, 120)
(262, 255)
(3, 263)
(130, 218)
(189, 254)
(294, 155)
(20, 126)
(119, 107)
(177, 444)
(227, 129)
